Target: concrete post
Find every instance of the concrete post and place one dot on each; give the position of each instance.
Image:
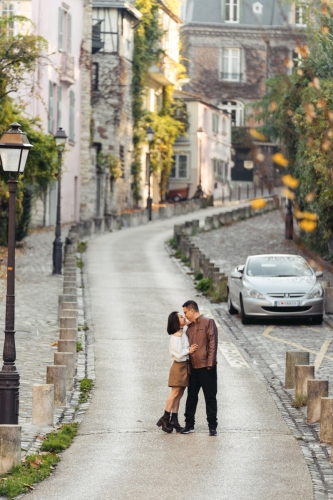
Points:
(69, 290)
(303, 373)
(56, 375)
(328, 300)
(67, 346)
(317, 389)
(66, 359)
(326, 429)
(294, 358)
(68, 323)
(69, 313)
(42, 405)
(10, 447)
(68, 334)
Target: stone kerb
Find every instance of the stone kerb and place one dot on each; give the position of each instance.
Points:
(42, 405)
(10, 447)
(56, 375)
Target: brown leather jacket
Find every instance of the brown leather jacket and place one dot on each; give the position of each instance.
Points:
(204, 333)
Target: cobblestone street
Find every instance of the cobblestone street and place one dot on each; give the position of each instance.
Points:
(264, 344)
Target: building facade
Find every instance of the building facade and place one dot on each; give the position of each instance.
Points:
(57, 96)
(202, 157)
(232, 48)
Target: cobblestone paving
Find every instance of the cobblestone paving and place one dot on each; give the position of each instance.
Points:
(264, 344)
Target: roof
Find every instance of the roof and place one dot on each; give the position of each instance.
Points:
(187, 96)
(166, 9)
(118, 4)
(270, 13)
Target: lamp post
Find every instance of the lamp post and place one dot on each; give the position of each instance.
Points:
(150, 138)
(60, 140)
(14, 150)
(289, 221)
(200, 134)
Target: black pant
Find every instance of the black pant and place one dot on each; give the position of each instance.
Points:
(207, 379)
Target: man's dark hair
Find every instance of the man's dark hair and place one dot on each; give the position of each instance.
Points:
(173, 323)
(190, 304)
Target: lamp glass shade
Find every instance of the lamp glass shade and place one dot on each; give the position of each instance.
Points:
(248, 164)
(60, 138)
(150, 134)
(200, 133)
(14, 149)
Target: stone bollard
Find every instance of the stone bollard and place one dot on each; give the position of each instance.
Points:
(56, 375)
(326, 411)
(216, 222)
(10, 447)
(68, 334)
(303, 373)
(67, 346)
(228, 217)
(68, 323)
(317, 389)
(42, 405)
(66, 359)
(69, 290)
(294, 358)
(69, 313)
(69, 305)
(208, 223)
(328, 300)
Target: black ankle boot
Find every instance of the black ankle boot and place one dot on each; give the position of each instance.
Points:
(164, 423)
(174, 423)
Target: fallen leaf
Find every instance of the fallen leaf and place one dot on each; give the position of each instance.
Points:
(289, 181)
(307, 225)
(28, 486)
(257, 135)
(54, 344)
(280, 160)
(258, 203)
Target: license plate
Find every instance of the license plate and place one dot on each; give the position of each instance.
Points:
(287, 303)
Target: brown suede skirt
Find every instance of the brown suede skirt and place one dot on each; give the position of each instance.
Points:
(179, 374)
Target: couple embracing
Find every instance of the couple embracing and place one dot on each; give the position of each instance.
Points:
(194, 355)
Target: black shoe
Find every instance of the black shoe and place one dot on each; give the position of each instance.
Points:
(187, 429)
(212, 431)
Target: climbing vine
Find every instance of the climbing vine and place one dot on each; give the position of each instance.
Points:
(147, 52)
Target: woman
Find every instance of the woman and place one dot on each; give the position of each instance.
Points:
(179, 373)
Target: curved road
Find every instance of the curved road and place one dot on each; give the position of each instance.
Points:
(120, 454)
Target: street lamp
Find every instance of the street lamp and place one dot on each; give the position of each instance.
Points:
(200, 134)
(150, 137)
(60, 140)
(14, 150)
(289, 221)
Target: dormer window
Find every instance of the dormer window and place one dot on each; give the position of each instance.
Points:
(232, 11)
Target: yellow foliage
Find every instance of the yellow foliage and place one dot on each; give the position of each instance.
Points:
(288, 194)
(307, 225)
(280, 160)
(290, 181)
(258, 203)
(257, 135)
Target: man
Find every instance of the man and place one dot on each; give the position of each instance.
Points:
(203, 332)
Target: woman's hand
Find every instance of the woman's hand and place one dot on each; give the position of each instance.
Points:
(193, 348)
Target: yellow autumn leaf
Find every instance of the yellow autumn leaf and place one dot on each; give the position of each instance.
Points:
(325, 30)
(280, 160)
(316, 83)
(310, 197)
(289, 62)
(272, 106)
(307, 225)
(257, 135)
(289, 181)
(326, 144)
(300, 72)
(258, 203)
(310, 216)
(288, 194)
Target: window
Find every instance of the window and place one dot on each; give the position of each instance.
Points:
(51, 107)
(64, 31)
(300, 15)
(69, 33)
(257, 8)
(215, 123)
(218, 168)
(236, 110)
(71, 116)
(180, 166)
(232, 11)
(122, 160)
(9, 9)
(61, 29)
(95, 74)
(231, 65)
(59, 106)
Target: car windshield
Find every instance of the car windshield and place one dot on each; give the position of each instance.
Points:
(278, 266)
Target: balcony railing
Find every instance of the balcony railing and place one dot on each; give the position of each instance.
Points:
(67, 68)
(231, 77)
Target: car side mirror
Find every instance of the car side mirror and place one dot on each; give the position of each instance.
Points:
(240, 269)
(236, 275)
(319, 274)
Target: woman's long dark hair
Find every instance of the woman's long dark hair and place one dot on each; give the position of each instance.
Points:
(173, 323)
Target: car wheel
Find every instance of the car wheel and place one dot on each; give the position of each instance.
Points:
(244, 318)
(231, 309)
(317, 320)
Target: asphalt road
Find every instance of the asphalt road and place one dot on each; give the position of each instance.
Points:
(120, 454)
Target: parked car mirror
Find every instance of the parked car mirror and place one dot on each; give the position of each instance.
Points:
(236, 275)
(319, 274)
(240, 269)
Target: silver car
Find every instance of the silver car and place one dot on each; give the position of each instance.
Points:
(279, 286)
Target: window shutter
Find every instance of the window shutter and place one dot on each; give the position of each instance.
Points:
(61, 30)
(71, 115)
(59, 105)
(51, 107)
(69, 33)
